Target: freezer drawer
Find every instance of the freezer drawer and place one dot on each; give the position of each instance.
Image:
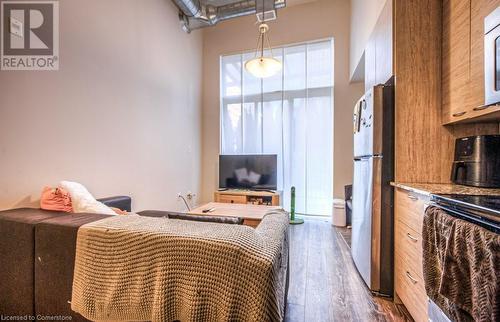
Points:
(366, 219)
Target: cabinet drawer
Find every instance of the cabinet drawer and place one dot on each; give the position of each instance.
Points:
(410, 289)
(410, 209)
(232, 199)
(409, 243)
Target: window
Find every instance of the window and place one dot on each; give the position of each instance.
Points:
(289, 114)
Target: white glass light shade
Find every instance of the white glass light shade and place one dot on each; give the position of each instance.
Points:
(263, 67)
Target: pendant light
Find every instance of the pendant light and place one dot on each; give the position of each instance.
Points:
(261, 66)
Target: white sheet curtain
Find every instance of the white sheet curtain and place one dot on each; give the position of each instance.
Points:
(289, 114)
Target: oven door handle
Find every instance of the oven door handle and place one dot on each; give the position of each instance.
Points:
(461, 215)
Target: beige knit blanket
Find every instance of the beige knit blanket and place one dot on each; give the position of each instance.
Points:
(156, 269)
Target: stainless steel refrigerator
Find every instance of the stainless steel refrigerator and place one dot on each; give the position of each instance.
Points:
(372, 195)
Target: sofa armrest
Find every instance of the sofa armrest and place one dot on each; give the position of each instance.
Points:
(218, 219)
(17, 256)
(120, 202)
(55, 249)
(184, 216)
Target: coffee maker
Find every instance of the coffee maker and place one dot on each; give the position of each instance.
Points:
(477, 161)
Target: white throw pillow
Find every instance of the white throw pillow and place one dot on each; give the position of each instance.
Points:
(241, 174)
(254, 177)
(83, 201)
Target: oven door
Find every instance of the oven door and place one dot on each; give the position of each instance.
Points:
(492, 58)
(435, 313)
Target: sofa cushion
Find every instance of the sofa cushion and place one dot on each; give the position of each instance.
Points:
(17, 248)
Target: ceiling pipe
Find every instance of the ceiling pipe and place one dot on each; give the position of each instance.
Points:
(190, 8)
(193, 15)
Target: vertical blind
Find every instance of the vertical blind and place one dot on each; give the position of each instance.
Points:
(289, 114)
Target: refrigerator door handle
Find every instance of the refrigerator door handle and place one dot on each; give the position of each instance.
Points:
(364, 158)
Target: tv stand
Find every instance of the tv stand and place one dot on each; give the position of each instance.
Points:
(255, 197)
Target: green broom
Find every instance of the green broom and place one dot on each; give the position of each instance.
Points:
(293, 220)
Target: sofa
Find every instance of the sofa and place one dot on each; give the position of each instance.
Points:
(18, 250)
(37, 251)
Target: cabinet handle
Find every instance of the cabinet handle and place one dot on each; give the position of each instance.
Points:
(411, 237)
(480, 108)
(483, 107)
(458, 114)
(412, 197)
(411, 278)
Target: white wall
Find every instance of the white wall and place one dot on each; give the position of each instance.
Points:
(364, 15)
(315, 20)
(122, 115)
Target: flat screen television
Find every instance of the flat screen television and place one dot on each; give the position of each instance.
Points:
(252, 171)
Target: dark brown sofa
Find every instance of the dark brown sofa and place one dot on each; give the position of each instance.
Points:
(37, 252)
(18, 252)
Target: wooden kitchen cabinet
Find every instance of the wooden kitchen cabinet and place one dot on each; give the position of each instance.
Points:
(456, 59)
(370, 64)
(463, 61)
(383, 45)
(408, 280)
(378, 50)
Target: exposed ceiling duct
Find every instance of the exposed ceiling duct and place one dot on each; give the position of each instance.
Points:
(196, 14)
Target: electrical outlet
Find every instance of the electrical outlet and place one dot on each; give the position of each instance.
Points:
(16, 27)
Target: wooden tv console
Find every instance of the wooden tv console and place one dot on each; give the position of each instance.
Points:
(265, 198)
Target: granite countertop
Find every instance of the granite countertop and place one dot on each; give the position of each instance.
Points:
(445, 188)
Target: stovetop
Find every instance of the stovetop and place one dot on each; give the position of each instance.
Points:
(481, 209)
(486, 203)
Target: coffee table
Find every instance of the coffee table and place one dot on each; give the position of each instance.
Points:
(251, 214)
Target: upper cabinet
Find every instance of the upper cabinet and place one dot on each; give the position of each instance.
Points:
(456, 58)
(378, 51)
(428, 46)
(370, 63)
(383, 45)
(463, 61)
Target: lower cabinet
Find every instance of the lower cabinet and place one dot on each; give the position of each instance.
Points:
(408, 280)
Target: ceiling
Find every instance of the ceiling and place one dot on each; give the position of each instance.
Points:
(223, 2)
(296, 2)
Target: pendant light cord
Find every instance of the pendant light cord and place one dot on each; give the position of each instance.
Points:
(257, 50)
(263, 37)
(262, 33)
(269, 45)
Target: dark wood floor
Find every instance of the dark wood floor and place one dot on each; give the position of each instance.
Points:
(324, 284)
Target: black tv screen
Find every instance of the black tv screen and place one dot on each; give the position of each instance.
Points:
(257, 172)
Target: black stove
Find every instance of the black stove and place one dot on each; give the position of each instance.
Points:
(482, 210)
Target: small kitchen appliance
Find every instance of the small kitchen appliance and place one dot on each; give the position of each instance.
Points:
(477, 161)
(492, 59)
